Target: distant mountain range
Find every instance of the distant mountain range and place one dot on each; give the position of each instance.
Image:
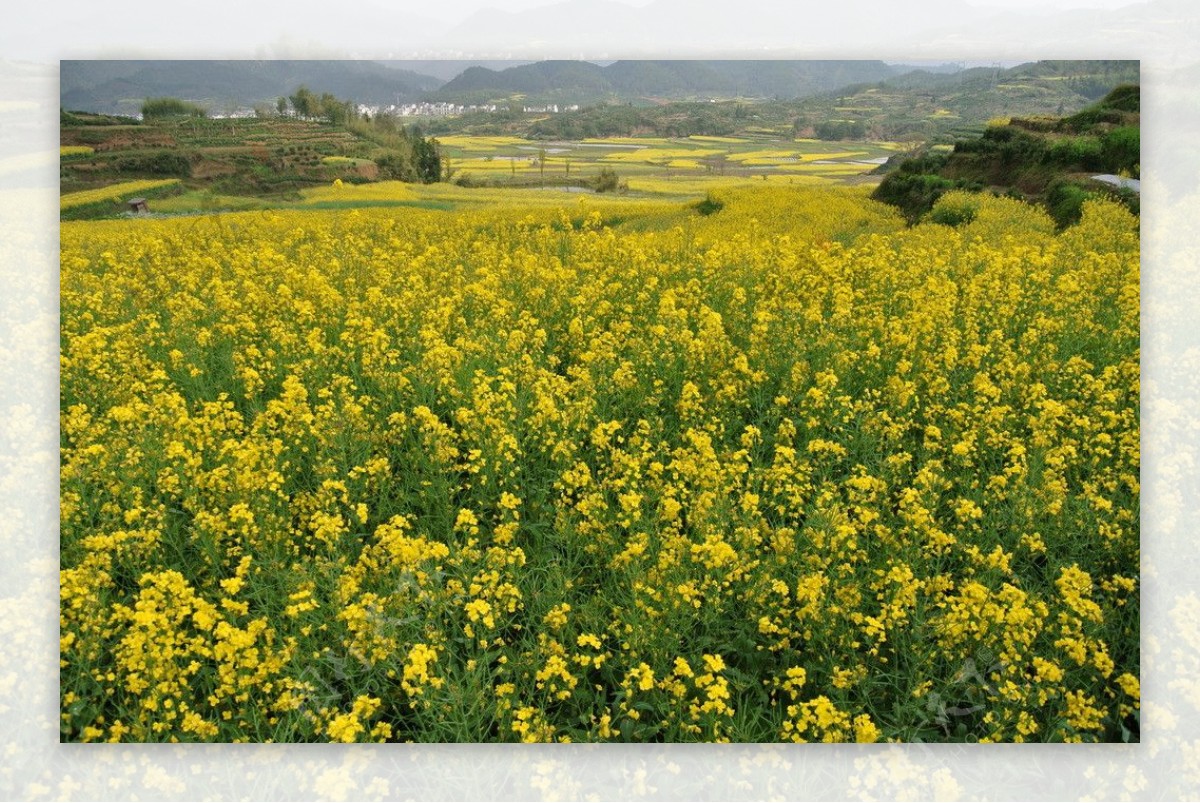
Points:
(574, 80)
(120, 86)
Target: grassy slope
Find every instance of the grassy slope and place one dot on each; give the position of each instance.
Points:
(1045, 160)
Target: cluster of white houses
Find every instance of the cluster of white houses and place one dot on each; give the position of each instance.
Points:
(426, 109)
(423, 109)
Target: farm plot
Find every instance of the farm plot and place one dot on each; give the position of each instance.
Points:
(640, 158)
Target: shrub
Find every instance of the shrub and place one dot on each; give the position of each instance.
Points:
(709, 205)
(1079, 152)
(171, 107)
(1121, 148)
(160, 163)
(606, 180)
(914, 193)
(955, 210)
(1126, 98)
(1064, 201)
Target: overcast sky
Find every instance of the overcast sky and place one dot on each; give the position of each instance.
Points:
(936, 30)
(457, 10)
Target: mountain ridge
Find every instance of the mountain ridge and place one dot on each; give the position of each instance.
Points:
(628, 78)
(120, 86)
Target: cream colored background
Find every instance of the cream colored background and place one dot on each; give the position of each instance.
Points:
(1166, 765)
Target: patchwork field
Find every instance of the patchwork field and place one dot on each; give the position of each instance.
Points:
(289, 164)
(489, 158)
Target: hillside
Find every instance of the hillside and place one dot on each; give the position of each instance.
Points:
(271, 157)
(918, 105)
(119, 87)
(628, 80)
(936, 106)
(1045, 160)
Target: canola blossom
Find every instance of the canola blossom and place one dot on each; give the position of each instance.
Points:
(789, 471)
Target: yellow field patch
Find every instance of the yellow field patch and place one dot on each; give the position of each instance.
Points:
(760, 156)
(471, 143)
(626, 141)
(659, 155)
(112, 192)
(699, 185)
(503, 164)
(835, 168)
(835, 155)
(730, 140)
(379, 191)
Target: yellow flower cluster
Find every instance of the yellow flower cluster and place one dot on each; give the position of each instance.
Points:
(610, 471)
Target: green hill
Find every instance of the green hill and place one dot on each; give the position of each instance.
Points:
(940, 107)
(585, 82)
(119, 87)
(1046, 160)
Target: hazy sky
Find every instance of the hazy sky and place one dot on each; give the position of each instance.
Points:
(456, 10)
(83, 29)
(450, 10)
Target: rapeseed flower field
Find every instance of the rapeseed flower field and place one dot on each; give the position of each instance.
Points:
(601, 471)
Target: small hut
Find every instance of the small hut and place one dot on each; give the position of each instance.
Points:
(138, 205)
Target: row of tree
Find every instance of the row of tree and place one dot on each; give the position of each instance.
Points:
(158, 108)
(306, 103)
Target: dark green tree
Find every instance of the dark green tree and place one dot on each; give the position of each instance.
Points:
(304, 102)
(170, 107)
(427, 160)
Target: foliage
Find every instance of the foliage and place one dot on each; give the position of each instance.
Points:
(155, 163)
(840, 129)
(914, 193)
(710, 205)
(1125, 98)
(154, 108)
(1065, 200)
(954, 209)
(409, 156)
(71, 119)
(917, 106)
(1044, 159)
(595, 121)
(1121, 150)
(307, 104)
(606, 180)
